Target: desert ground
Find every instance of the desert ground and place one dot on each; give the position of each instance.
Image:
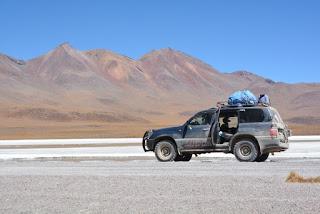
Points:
(117, 176)
(204, 185)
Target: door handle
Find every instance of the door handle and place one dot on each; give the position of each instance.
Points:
(205, 129)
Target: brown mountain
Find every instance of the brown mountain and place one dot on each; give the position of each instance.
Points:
(97, 93)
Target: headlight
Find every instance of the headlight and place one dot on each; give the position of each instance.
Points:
(149, 134)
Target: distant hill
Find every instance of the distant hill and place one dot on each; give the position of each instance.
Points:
(98, 93)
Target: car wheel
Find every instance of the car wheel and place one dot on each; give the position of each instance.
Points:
(263, 157)
(165, 151)
(246, 150)
(183, 157)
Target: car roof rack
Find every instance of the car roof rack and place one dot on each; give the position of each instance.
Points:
(224, 104)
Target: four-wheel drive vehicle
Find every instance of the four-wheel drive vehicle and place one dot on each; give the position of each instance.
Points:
(248, 132)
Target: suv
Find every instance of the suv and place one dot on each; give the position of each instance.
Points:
(248, 132)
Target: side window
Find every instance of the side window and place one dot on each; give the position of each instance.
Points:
(276, 117)
(252, 116)
(201, 119)
(232, 121)
(228, 121)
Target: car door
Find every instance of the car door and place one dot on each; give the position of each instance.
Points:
(197, 131)
(215, 128)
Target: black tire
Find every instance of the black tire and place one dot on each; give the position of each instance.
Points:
(246, 150)
(263, 157)
(183, 157)
(165, 151)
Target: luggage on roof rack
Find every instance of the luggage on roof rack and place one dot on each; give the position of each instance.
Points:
(242, 98)
(264, 100)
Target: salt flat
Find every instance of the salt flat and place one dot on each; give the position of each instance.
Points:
(300, 147)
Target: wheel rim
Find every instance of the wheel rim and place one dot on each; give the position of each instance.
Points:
(245, 150)
(165, 151)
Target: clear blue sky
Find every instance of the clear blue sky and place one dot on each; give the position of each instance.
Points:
(278, 39)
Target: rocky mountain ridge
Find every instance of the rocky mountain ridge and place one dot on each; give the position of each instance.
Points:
(158, 88)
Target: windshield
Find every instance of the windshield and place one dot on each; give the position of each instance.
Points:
(203, 118)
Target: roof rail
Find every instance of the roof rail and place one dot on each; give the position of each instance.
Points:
(226, 105)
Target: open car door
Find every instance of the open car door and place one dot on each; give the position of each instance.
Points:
(214, 135)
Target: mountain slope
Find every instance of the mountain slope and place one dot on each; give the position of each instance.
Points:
(90, 89)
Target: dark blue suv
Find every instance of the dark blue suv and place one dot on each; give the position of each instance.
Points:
(248, 132)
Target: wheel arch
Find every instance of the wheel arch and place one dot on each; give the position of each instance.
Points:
(240, 137)
(162, 138)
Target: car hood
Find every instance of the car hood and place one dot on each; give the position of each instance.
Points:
(168, 130)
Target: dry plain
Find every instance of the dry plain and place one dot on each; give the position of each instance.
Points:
(204, 185)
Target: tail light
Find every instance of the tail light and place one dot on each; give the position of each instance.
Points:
(274, 132)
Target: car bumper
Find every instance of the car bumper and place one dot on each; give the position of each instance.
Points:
(273, 145)
(147, 144)
(276, 148)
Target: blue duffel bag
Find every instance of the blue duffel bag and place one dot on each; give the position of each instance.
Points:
(244, 97)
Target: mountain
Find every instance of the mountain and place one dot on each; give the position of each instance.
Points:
(98, 93)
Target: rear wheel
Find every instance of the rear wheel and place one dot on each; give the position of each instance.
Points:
(183, 157)
(246, 150)
(263, 157)
(165, 151)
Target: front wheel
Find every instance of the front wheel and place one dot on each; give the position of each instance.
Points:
(183, 157)
(165, 151)
(263, 157)
(246, 151)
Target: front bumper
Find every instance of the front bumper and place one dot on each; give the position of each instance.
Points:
(144, 145)
(147, 144)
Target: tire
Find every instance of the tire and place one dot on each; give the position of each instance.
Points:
(165, 151)
(263, 157)
(183, 157)
(246, 150)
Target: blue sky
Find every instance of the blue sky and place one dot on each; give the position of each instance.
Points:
(277, 39)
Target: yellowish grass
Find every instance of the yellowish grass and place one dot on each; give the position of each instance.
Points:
(294, 177)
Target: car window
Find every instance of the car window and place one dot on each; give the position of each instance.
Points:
(201, 119)
(276, 116)
(233, 121)
(251, 116)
